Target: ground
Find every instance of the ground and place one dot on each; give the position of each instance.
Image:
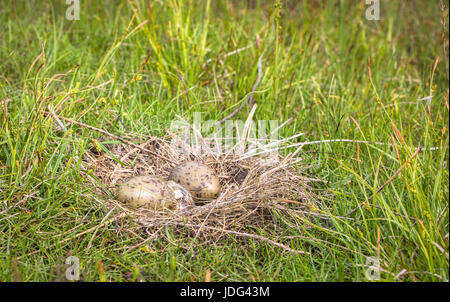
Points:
(333, 68)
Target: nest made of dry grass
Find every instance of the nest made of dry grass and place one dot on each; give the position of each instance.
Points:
(254, 194)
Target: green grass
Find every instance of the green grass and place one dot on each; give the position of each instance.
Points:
(315, 70)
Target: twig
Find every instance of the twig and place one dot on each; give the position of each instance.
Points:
(95, 229)
(253, 236)
(113, 136)
(152, 236)
(61, 125)
(386, 183)
(126, 156)
(140, 70)
(41, 55)
(229, 54)
(121, 215)
(343, 140)
(278, 128)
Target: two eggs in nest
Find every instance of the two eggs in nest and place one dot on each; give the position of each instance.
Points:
(187, 181)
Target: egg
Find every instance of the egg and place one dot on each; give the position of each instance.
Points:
(154, 193)
(198, 178)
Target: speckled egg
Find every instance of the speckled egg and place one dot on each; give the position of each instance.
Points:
(198, 178)
(153, 193)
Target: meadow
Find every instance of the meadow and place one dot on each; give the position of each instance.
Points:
(372, 94)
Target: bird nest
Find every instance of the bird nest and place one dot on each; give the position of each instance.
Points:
(258, 194)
